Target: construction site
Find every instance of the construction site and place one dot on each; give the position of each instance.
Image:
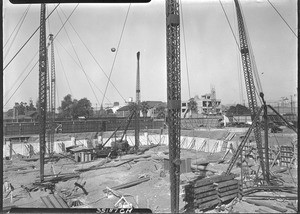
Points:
(136, 164)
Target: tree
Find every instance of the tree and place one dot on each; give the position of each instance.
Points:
(21, 108)
(10, 113)
(65, 110)
(30, 107)
(161, 112)
(144, 107)
(132, 107)
(72, 108)
(192, 107)
(82, 108)
(238, 110)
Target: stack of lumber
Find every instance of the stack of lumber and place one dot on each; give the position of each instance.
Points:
(207, 193)
(228, 190)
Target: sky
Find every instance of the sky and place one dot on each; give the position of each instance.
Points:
(209, 54)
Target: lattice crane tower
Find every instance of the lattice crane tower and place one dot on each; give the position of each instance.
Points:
(42, 108)
(173, 97)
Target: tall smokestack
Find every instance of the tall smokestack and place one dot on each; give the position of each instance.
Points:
(137, 113)
(138, 78)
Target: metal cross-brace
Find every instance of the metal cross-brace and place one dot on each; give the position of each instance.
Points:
(42, 108)
(173, 97)
(242, 144)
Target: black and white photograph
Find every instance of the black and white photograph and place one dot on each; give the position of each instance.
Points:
(157, 106)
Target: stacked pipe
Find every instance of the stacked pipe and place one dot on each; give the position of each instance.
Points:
(207, 193)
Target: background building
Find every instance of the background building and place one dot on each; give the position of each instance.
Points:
(207, 104)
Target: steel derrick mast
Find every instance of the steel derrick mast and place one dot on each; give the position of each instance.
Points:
(42, 108)
(173, 97)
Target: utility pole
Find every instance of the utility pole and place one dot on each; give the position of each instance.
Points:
(173, 97)
(137, 110)
(42, 110)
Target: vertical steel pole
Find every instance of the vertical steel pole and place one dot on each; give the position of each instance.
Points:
(137, 110)
(266, 143)
(173, 97)
(266, 129)
(52, 100)
(42, 109)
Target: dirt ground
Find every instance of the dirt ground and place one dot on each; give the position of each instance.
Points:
(153, 194)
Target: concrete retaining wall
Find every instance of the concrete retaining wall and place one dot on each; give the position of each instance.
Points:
(196, 143)
(20, 147)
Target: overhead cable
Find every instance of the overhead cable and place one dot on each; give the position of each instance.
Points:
(20, 23)
(37, 51)
(78, 58)
(63, 70)
(21, 83)
(185, 52)
(27, 40)
(116, 52)
(7, 92)
(237, 44)
(93, 57)
(21, 19)
(282, 18)
(78, 65)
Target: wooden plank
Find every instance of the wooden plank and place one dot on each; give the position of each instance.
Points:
(46, 201)
(129, 184)
(61, 202)
(203, 182)
(53, 200)
(208, 204)
(214, 179)
(262, 203)
(228, 197)
(228, 192)
(222, 178)
(227, 183)
(264, 197)
(204, 189)
(209, 198)
(206, 194)
(227, 188)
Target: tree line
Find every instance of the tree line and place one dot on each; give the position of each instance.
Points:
(73, 109)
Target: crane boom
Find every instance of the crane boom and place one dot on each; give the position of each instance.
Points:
(249, 81)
